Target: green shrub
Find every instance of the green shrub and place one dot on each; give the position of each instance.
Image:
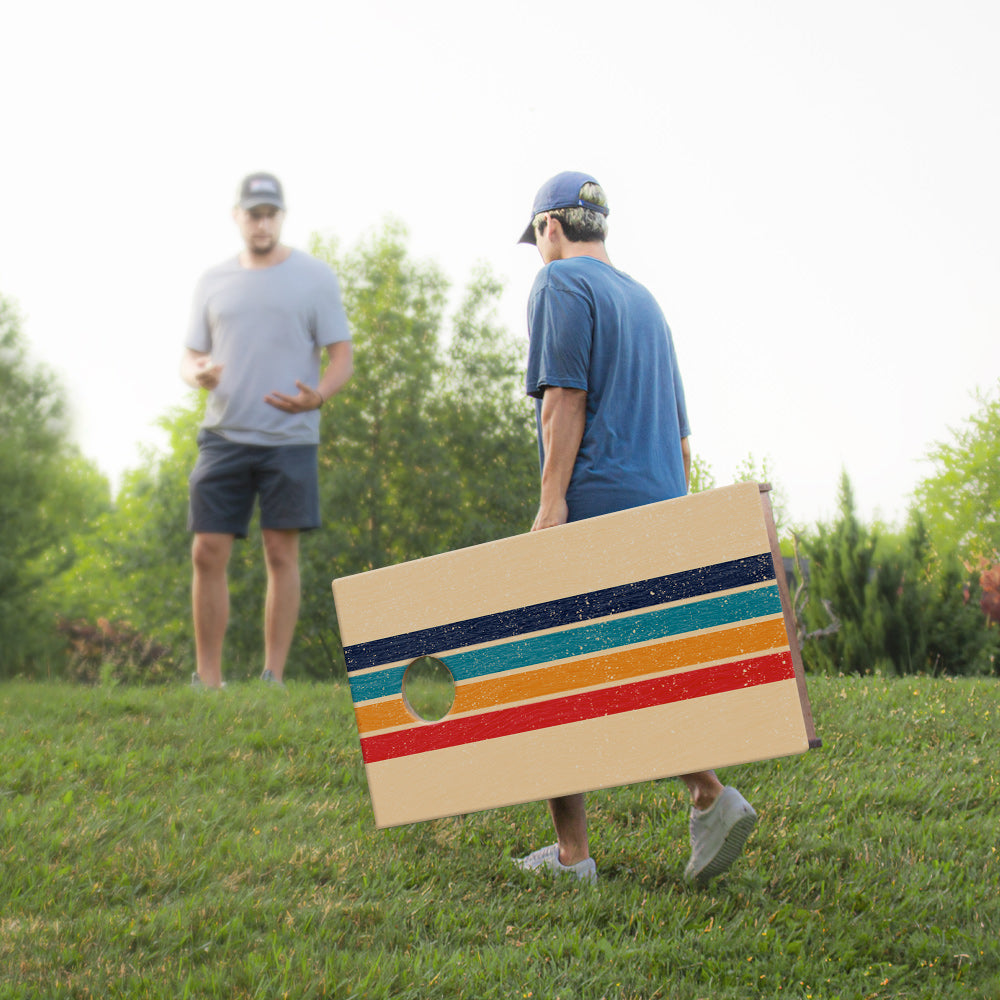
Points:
(899, 604)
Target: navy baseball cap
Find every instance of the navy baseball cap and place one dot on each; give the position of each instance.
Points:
(561, 191)
(261, 189)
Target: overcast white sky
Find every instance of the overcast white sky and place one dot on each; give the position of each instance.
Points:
(811, 191)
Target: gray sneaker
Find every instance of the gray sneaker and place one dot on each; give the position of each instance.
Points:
(196, 682)
(547, 859)
(268, 678)
(718, 835)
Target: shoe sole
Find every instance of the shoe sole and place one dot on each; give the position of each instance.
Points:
(732, 848)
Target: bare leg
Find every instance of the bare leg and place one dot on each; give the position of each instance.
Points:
(210, 602)
(704, 787)
(569, 816)
(281, 612)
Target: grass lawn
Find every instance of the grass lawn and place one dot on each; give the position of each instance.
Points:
(174, 843)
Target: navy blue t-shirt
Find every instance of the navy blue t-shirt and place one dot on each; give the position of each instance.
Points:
(592, 327)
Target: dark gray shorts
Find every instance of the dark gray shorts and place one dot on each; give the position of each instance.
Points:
(229, 476)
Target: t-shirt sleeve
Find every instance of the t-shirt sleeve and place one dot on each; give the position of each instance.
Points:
(199, 332)
(331, 324)
(560, 324)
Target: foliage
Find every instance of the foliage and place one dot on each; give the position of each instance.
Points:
(429, 447)
(50, 496)
(961, 501)
(703, 478)
(164, 843)
(900, 607)
(989, 583)
(751, 471)
(114, 652)
(135, 567)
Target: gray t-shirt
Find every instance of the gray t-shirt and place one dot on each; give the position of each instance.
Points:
(266, 327)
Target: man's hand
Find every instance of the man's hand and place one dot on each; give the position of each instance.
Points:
(206, 374)
(550, 515)
(306, 399)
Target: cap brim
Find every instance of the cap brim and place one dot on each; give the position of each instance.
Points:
(249, 203)
(528, 236)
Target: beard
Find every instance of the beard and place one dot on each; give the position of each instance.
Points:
(264, 248)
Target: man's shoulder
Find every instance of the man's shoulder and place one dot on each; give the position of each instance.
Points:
(599, 283)
(598, 274)
(583, 275)
(231, 265)
(586, 268)
(218, 277)
(560, 274)
(303, 261)
(310, 275)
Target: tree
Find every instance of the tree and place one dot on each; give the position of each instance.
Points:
(133, 567)
(490, 426)
(429, 447)
(750, 471)
(703, 478)
(961, 501)
(49, 491)
(900, 607)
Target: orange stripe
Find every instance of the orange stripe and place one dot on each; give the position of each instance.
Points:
(613, 666)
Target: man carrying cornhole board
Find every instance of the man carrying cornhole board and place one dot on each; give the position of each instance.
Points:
(612, 434)
(633, 634)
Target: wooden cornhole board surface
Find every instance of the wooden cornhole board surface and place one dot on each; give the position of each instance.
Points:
(639, 645)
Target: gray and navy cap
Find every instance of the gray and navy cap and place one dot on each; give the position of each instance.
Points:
(561, 191)
(261, 189)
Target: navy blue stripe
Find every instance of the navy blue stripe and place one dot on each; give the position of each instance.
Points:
(566, 611)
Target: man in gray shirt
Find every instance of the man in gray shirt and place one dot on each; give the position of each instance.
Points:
(259, 324)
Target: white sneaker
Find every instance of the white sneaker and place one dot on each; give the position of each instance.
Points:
(547, 858)
(718, 835)
(196, 682)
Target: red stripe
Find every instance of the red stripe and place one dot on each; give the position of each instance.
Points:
(578, 707)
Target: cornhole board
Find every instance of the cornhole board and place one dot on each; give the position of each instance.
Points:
(639, 645)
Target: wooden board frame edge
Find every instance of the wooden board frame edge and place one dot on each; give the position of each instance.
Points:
(786, 607)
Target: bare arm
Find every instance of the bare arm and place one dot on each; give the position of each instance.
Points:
(564, 416)
(686, 455)
(198, 371)
(340, 365)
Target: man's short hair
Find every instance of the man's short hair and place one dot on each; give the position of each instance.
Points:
(580, 224)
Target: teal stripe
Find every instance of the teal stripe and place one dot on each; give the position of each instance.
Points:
(584, 640)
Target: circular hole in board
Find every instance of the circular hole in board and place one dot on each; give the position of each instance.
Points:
(428, 688)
